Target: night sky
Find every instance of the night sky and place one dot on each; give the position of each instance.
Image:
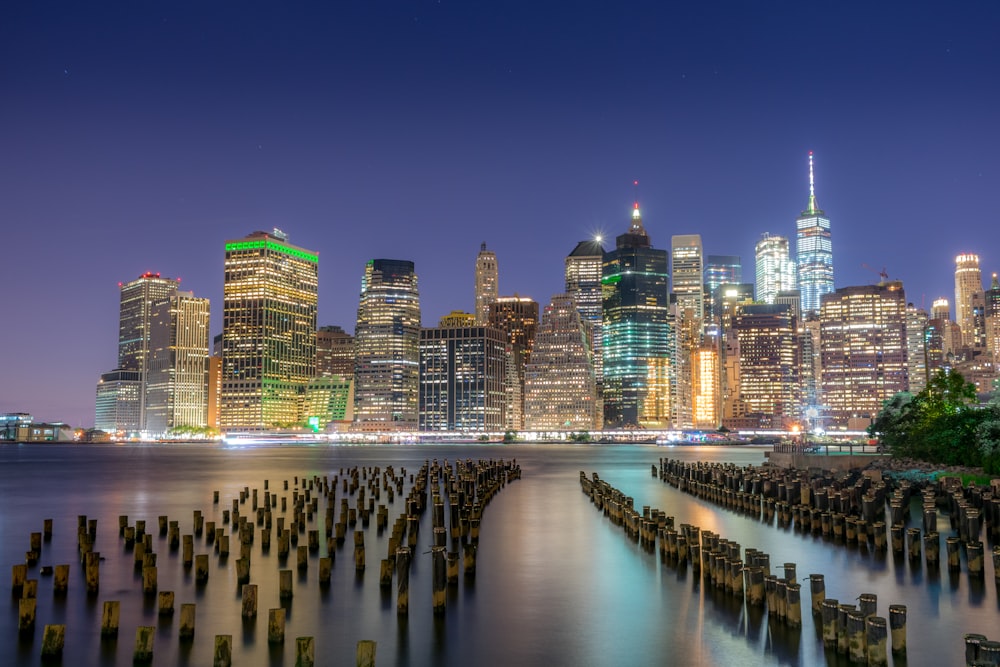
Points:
(140, 136)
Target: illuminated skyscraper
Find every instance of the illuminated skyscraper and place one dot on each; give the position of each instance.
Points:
(334, 352)
(638, 336)
(487, 283)
(968, 281)
(268, 331)
(916, 351)
(769, 363)
(706, 376)
(863, 345)
(387, 348)
(560, 391)
(688, 289)
(940, 309)
(775, 271)
(719, 270)
(118, 405)
(462, 378)
(992, 316)
(177, 383)
(583, 283)
(517, 317)
(814, 252)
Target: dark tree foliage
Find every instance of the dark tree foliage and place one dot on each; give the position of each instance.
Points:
(941, 424)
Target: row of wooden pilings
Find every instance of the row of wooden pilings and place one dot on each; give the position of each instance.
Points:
(469, 488)
(852, 630)
(856, 515)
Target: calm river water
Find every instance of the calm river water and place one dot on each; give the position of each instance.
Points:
(556, 583)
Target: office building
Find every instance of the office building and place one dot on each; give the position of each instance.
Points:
(769, 364)
(463, 378)
(560, 389)
(583, 284)
(813, 250)
(706, 390)
(992, 316)
(775, 271)
(329, 403)
(638, 344)
(916, 350)
(334, 352)
(720, 270)
(517, 317)
(118, 405)
(268, 331)
(863, 344)
(387, 348)
(487, 283)
(177, 383)
(968, 283)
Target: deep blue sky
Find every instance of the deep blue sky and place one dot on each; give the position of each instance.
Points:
(140, 136)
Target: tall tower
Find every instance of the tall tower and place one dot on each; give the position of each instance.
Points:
(487, 279)
(560, 392)
(916, 349)
(968, 281)
(720, 270)
(387, 348)
(775, 271)
(689, 296)
(638, 336)
(863, 345)
(134, 326)
(177, 385)
(992, 317)
(334, 352)
(814, 251)
(270, 299)
(583, 284)
(769, 363)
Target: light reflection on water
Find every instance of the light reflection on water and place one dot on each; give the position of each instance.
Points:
(556, 582)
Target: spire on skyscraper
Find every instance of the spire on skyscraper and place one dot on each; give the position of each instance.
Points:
(636, 227)
(812, 208)
(995, 284)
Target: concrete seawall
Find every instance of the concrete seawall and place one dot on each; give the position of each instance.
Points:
(805, 461)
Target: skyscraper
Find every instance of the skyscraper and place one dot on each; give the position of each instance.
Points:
(992, 316)
(517, 317)
(118, 406)
(387, 348)
(560, 391)
(968, 282)
(814, 251)
(487, 283)
(688, 278)
(134, 325)
(334, 352)
(268, 331)
(769, 363)
(462, 378)
(719, 270)
(775, 271)
(916, 351)
(583, 284)
(638, 336)
(177, 383)
(863, 345)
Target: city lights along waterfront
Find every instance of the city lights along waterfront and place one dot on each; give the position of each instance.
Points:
(555, 581)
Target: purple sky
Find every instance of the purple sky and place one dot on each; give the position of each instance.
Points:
(142, 136)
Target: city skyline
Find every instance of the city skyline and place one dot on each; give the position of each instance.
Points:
(141, 140)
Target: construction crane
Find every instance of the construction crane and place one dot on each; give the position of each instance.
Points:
(881, 274)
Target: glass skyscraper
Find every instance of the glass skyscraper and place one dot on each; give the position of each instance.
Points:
(814, 251)
(637, 332)
(775, 271)
(387, 348)
(268, 331)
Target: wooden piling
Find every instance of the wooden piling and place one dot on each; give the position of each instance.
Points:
(18, 574)
(972, 642)
(305, 652)
(143, 651)
(828, 612)
(385, 573)
(359, 551)
(302, 558)
(868, 604)
(974, 554)
(53, 640)
(403, 581)
(365, 653)
(109, 619)
(439, 578)
(897, 627)
(276, 626)
(30, 588)
(858, 650)
(148, 580)
(817, 592)
(165, 603)
(26, 615)
(186, 631)
(876, 640)
(92, 560)
(469, 560)
(793, 605)
(913, 543)
(223, 654)
(249, 601)
(285, 584)
(843, 639)
(187, 552)
(325, 570)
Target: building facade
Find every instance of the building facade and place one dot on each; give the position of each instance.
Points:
(719, 270)
(487, 283)
(560, 388)
(583, 284)
(517, 317)
(769, 362)
(638, 340)
(813, 251)
(968, 283)
(775, 270)
(270, 297)
(463, 378)
(119, 406)
(334, 352)
(387, 348)
(863, 345)
(177, 384)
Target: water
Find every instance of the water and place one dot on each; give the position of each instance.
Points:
(556, 583)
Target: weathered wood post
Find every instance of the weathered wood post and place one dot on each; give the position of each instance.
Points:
(439, 578)
(365, 653)
(187, 621)
(876, 639)
(93, 571)
(972, 642)
(913, 543)
(302, 559)
(403, 581)
(858, 650)
(469, 560)
(223, 654)
(165, 603)
(109, 619)
(932, 548)
(30, 588)
(843, 638)
(305, 652)
(276, 626)
(325, 570)
(143, 651)
(817, 591)
(793, 605)
(828, 612)
(53, 640)
(201, 568)
(18, 574)
(249, 601)
(26, 615)
(952, 546)
(897, 627)
(974, 553)
(868, 604)
(359, 551)
(187, 552)
(60, 581)
(285, 584)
